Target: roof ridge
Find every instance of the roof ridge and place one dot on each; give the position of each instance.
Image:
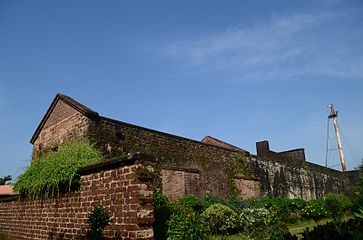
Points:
(72, 103)
(207, 137)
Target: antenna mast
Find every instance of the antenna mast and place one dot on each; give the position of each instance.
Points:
(333, 115)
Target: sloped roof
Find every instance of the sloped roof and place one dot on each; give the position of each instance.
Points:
(7, 190)
(216, 142)
(92, 114)
(72, 103)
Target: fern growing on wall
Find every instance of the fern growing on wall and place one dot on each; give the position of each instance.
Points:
(57, 171)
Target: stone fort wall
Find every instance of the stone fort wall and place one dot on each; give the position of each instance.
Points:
(195, 167)
(114, 184)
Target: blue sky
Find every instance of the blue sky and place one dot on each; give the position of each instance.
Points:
(241, 71)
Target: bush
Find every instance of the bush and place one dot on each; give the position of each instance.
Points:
(219, 219)
(97, 221)
(284, 209)
(259, 223)
(208, 201)
(314, 209)
(233, 202)
(336, 230)
(162, 213)
(193, 202)
(185, 224)
(337, 205)
(253, 221)
(57, 172)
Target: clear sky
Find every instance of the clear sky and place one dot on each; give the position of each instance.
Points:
(241, 71)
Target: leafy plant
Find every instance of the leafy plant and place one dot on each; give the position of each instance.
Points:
(194, 202)
(284, 209)
(219, 219)
(97, 221)
(57, 171)
(336, 230)
(314, 209)
(162, 213)
(185, 224)
(259, 223)
(337, 205)
(253, 220)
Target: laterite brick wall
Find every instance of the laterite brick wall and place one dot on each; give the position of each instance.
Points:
(114, 184)
(64, 124)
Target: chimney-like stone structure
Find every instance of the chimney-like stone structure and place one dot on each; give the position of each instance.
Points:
(263, 148)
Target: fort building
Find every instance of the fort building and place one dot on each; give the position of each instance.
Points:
(186, 166)
(139, 161)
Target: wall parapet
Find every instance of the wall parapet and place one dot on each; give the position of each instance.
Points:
(113, 184)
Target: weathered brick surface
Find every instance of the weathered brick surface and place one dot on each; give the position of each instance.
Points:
(279, 173)
(65, 217)
(171, 152)
(249, 188)
(64, 124)
(178, 183)
(281, 178)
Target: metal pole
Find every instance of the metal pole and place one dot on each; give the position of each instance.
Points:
(327, 145)
(333, 115)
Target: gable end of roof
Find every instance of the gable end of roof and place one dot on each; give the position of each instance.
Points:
(69, 101)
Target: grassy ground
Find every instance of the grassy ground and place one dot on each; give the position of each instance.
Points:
(233, 237)
(299, 227)
(296, 228)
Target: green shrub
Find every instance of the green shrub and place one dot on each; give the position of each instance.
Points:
(97, 221)
(234, 203)
(314, 209)
(259, 223)
(57, 172)
(162, 213)
(337, 205)
(279, 231)
(185, 224)
(336, 230)
(253, 222)
(284, 209)
(219, 219)
(193, 202)
(209, 200)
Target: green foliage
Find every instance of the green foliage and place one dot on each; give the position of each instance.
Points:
(234, 203)
(259, 223)
(336, 230)
(337, 205)
(314, 209)
(279, 231)
(359, 214)
(242, 165)
(97, 221)
(219, 219)
(358, 201)
(57, 172)
(5, 179)
(185, 224)
(193, 202)
(162, 213)
(254, 220)
(284, 209)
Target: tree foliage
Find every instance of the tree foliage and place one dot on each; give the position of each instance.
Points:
(5, 179)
